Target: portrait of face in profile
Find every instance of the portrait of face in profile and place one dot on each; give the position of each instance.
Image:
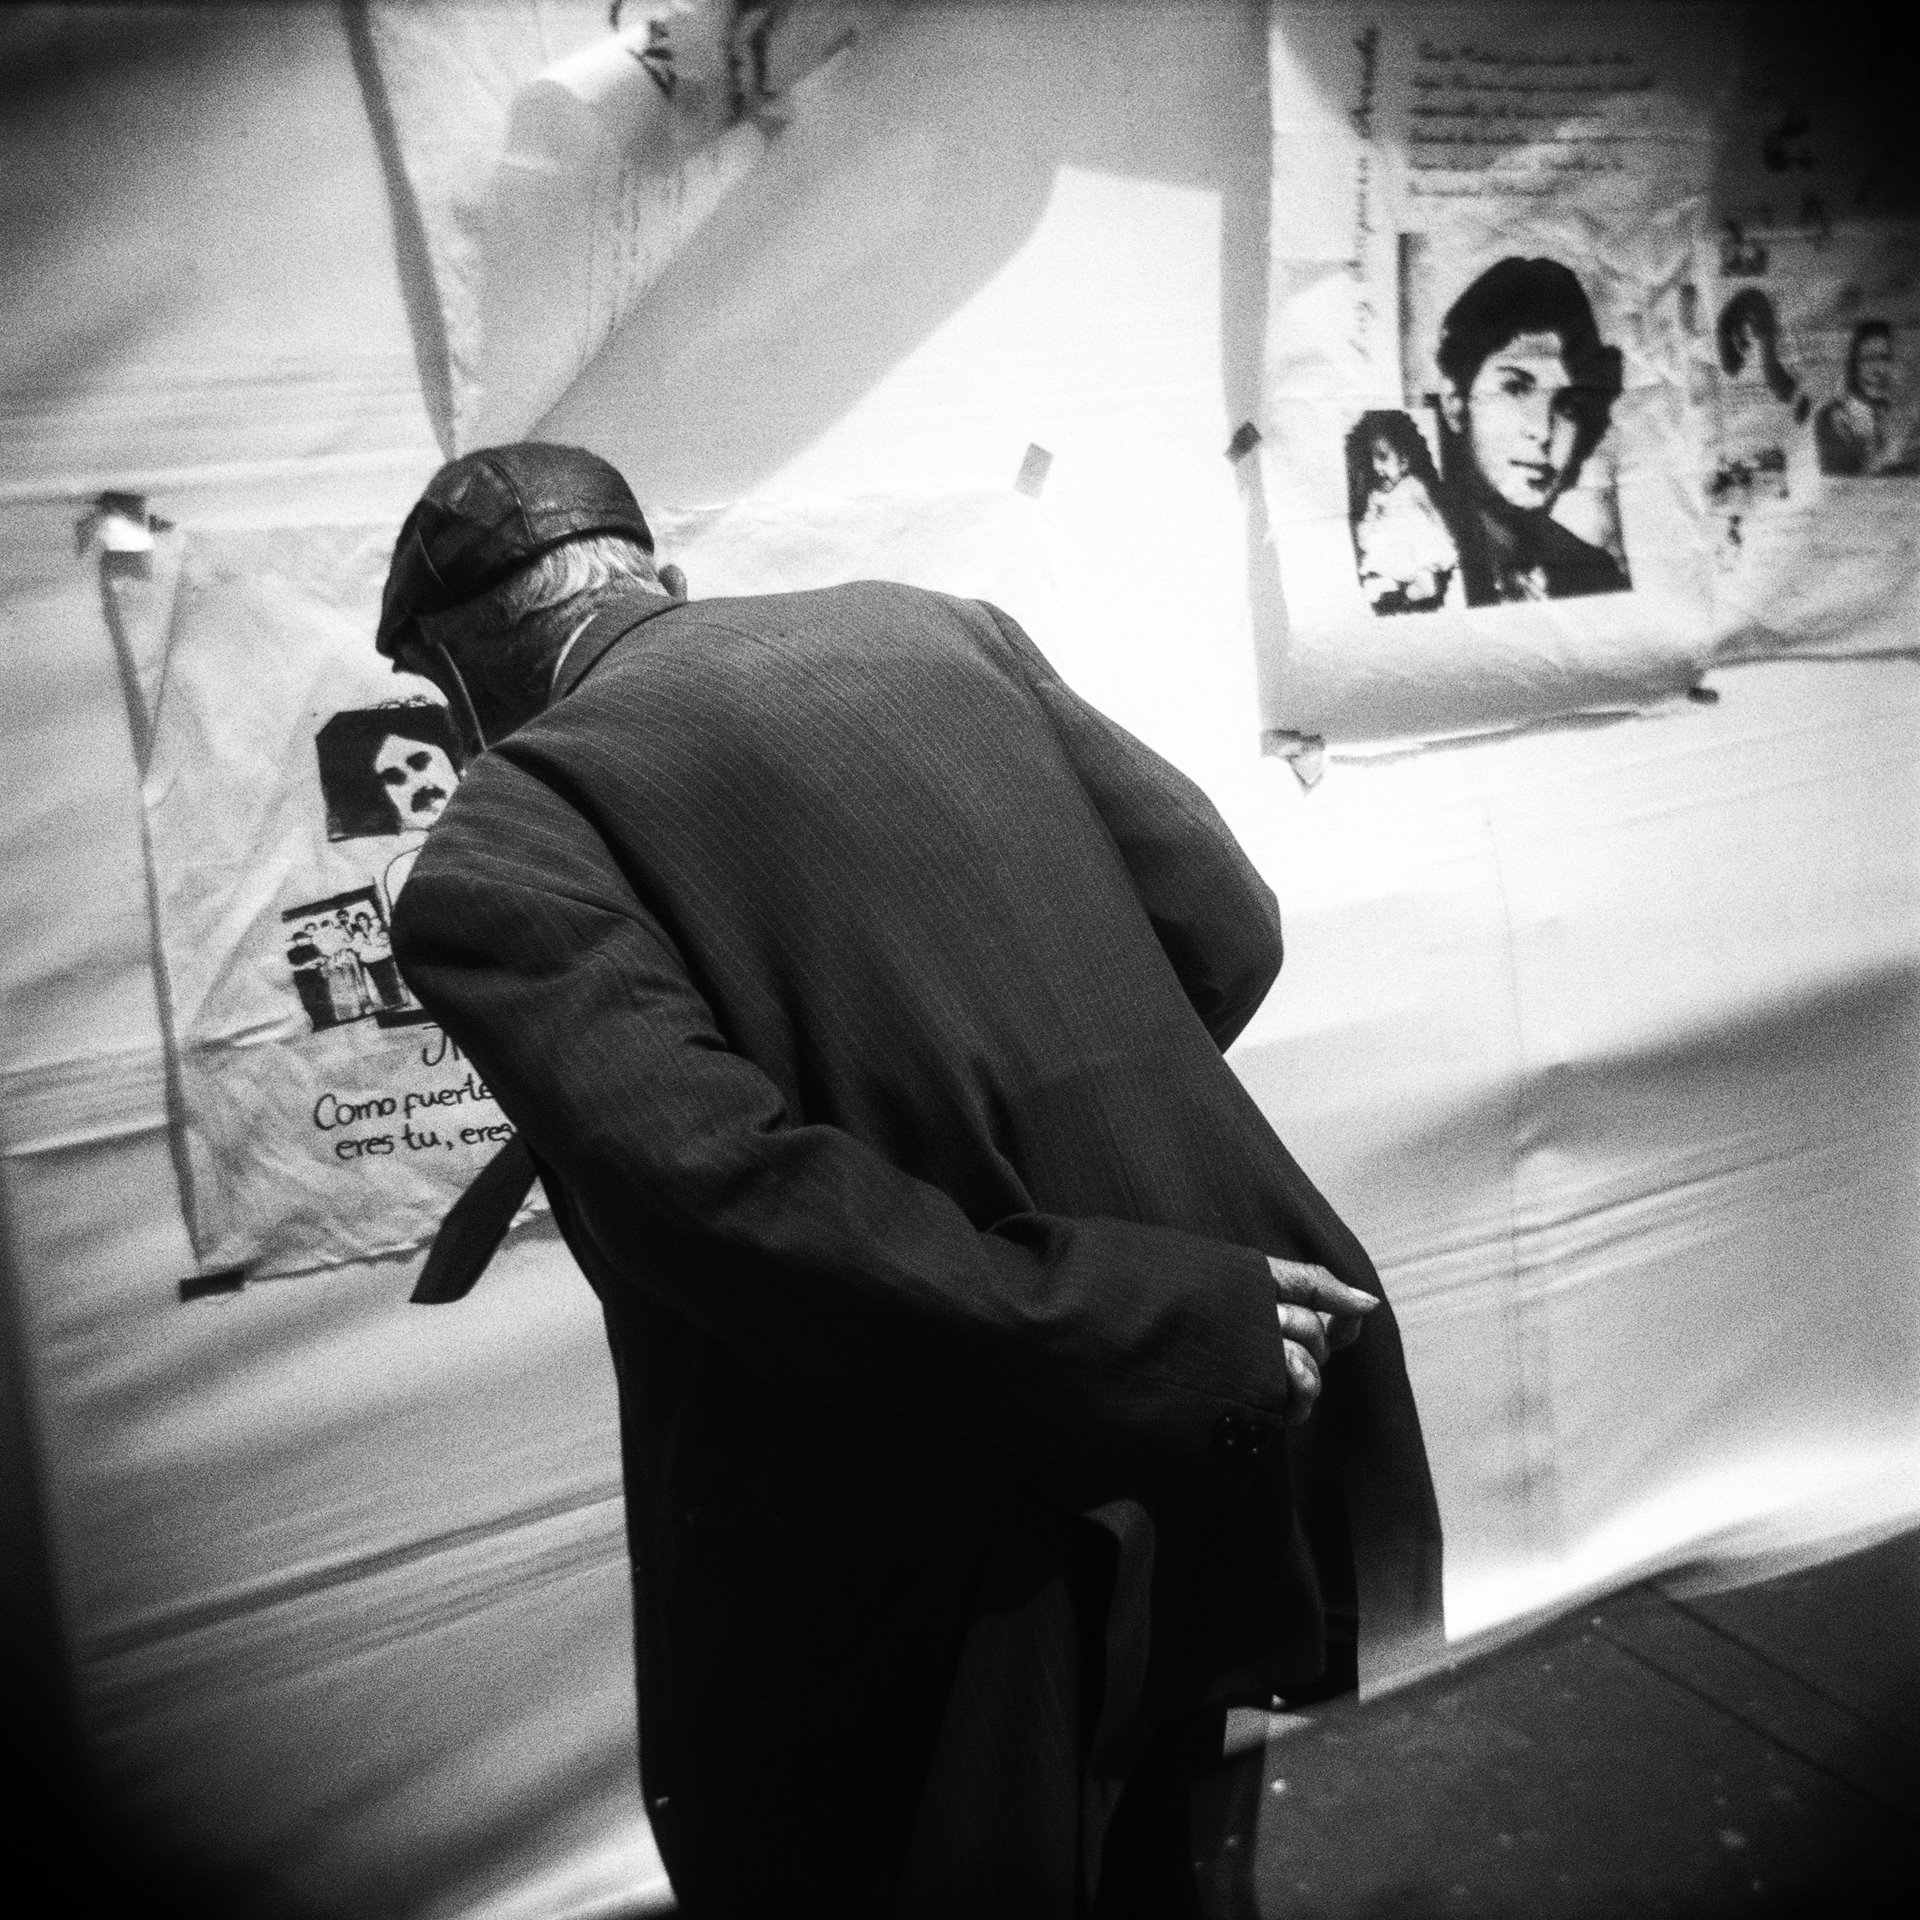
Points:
(1526, 394)
(387, 770)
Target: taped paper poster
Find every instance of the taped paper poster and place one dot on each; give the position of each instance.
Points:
(1810, 351)
(557, 165)
(1479, 455)
(1815, 450)
(291, 782)
(289, 787)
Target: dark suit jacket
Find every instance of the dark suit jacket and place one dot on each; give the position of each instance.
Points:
(860, 992)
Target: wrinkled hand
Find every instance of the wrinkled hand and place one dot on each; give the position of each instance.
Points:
(1318, 1316)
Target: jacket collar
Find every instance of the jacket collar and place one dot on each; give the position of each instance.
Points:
(625, 610)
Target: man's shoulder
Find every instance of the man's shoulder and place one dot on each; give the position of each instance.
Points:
(711, 649)
(847, 601)
(499, 827)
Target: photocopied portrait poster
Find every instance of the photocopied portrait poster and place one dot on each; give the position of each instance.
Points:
(290, 780)
(1809, 350)
(290, 784)
(1481, 449)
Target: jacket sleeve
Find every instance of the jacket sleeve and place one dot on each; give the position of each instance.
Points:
(1088, 1343)
(1216, 919)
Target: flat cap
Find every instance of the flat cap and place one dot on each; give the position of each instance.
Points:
(487, 514)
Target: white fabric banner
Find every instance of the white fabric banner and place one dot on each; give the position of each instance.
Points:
(1599, 1037)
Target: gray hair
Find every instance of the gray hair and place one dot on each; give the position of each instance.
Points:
(581, 565)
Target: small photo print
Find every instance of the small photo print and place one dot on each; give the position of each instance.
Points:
(1761, 404)
(343, 964)
(1403, 551)
(386, 770)
(1517, 386)
(1740, 482)
(1859, 433)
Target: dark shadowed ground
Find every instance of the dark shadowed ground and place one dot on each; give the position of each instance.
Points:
(1748, 1753)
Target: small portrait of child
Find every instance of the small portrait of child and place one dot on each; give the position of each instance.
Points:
(1404, 554)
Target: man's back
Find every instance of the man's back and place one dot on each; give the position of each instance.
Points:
(861, 993)
(861, 831)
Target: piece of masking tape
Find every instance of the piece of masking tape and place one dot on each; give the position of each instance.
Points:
(1305, 753)
(1034, 468)
(1246, 436)
(115, 523)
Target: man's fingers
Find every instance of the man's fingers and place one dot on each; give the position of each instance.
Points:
(1304, 1378)
(1343, 1329)
(1304, 1327)
(1301, 1284)
(1318, 1315)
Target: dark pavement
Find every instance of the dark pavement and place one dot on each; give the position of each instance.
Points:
(1748, 1753)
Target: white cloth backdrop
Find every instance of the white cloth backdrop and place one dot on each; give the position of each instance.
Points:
(1604, 1037)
